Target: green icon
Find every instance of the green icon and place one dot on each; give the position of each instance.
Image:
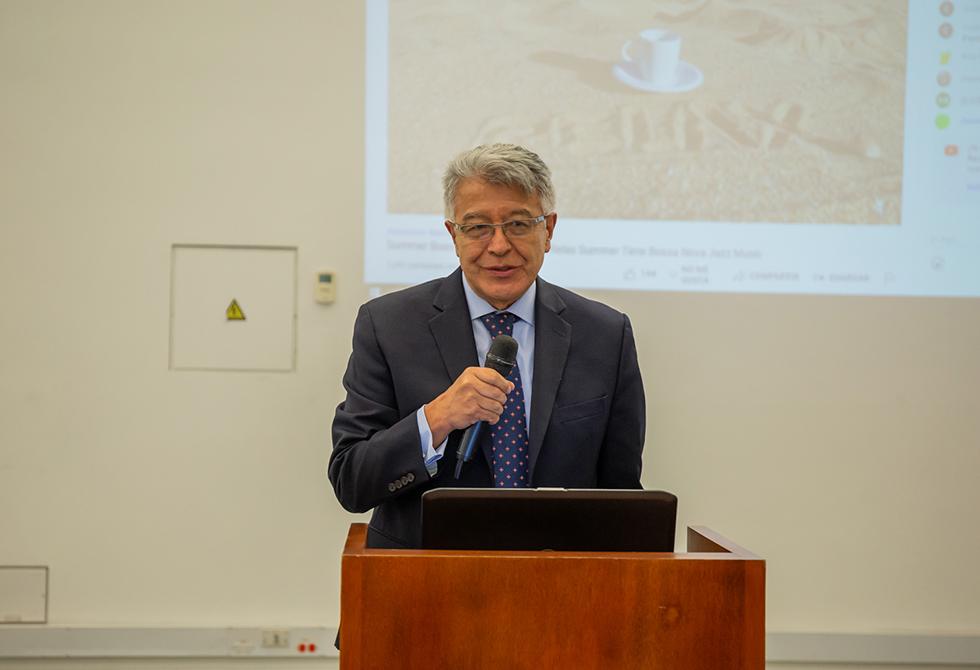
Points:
(942, 122)
(943, 100)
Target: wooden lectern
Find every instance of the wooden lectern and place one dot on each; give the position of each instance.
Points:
(529, 609)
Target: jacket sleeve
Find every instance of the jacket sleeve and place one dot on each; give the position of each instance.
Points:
(377, 452)
(620, 460)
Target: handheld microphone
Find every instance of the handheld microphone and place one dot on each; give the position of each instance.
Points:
(501, 357)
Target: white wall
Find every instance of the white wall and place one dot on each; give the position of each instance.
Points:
(159, 496)
(836, 437)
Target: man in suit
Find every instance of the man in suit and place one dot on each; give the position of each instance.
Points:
(571, 414)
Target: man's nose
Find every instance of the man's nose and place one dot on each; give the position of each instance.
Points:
(499, 243)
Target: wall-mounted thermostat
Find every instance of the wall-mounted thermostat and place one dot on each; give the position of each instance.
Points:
(325, 291)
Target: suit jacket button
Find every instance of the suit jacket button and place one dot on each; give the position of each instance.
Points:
(411, 476)
(405, 479)
(398, 483)
(391, 487)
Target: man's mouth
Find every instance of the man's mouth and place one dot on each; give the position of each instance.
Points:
(500, 270)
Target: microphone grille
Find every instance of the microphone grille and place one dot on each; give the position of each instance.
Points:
(502, 354)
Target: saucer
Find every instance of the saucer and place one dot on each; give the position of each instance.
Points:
(687, 78)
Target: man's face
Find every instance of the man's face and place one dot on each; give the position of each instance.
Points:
(501, 268)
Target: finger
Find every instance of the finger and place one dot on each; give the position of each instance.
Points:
(490, 405)
(493, 377)
(499, 390)
(492, 393)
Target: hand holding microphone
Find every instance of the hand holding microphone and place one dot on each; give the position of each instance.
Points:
(476, 397)
(501, 358)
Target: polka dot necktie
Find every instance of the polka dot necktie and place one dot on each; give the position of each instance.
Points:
(508, 436)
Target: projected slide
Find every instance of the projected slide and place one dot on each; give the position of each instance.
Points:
(722, 145)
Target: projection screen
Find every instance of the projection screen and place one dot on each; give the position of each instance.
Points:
(769, 146)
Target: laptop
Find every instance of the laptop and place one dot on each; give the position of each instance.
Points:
(549, 519)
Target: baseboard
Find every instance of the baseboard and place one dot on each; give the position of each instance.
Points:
(29, 641)
(46, 641)
(873, 649)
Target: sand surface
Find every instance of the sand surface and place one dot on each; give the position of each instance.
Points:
(799, 118)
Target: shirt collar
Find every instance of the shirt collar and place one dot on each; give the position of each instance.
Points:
(523, 307)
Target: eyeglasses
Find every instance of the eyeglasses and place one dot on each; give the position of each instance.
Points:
(484, 231)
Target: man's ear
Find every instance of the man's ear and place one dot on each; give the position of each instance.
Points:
(549, 225)
(451, 229)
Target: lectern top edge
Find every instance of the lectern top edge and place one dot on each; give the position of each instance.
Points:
(714, 547)
(701, 539)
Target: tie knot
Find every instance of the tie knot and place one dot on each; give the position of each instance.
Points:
(499, 323)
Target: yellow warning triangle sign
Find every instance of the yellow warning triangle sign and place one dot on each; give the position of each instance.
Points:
(234, 312)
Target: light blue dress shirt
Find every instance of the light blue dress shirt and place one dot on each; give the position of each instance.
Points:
(523, 309)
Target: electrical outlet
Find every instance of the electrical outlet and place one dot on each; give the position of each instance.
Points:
(275, 638)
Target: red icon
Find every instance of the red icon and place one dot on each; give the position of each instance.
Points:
(946, 30)
(944, 78)
(952, 150)
(946, 8)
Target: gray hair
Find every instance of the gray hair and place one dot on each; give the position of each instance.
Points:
(502, 164)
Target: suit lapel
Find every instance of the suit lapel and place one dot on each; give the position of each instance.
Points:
(453, 333)
(552, 337)
(451, 327)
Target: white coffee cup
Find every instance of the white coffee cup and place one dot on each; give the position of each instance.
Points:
(656, 55)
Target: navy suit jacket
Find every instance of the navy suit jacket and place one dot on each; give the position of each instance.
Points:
(587, 416)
